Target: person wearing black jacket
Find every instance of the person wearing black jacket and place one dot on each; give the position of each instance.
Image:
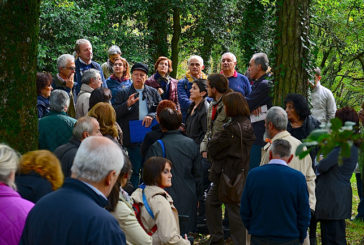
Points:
(136, 102)
(258, 98)
(84, 127)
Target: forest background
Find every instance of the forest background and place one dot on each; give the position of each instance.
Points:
(297, 35)
(145, 30)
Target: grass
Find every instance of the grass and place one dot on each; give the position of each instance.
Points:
(354, 229)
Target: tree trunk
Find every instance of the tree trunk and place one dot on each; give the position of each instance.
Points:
(18, 62)
(175, 40)
(291, 65)
(158, 25)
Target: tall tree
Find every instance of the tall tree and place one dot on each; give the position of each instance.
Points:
(291, 65)
(175, 39)
(18, 61)
(158, 15)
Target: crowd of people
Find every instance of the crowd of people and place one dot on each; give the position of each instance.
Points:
(129, 159)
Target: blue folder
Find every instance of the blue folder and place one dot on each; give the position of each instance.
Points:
(138, 132)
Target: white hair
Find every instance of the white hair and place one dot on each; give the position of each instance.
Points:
(83, 124)
(278, 117)
(199, 58)
(63, 60)
(79, 42)
(114, 50)
(96, 157)
(59, 100)
(9, 162)
(88, 75)
(231, 54)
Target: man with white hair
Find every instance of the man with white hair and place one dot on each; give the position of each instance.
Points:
(84, 127)
(276, 128)
(237, 81)
(195, 67)
(75, 213)
(91, 80)
(64, 79)
(55, 129)
(84, 62)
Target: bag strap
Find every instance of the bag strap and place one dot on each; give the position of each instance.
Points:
(145, 202)
(163, 147)
(241, 140)
(136, 208)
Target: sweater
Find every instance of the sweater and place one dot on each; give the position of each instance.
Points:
(275, 203)
(55, 129)
(240, 83)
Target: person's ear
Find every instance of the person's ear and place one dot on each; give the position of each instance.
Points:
(85, 135)
(290, 159)
(203, 93)
(109, 179)
(203, 67)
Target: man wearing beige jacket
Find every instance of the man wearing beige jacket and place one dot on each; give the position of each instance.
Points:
(275, 128)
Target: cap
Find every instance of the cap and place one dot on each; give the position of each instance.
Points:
(141, 67)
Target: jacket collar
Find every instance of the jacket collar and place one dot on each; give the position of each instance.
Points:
(82, 187)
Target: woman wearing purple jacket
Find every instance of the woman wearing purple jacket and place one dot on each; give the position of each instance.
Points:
(13, 208)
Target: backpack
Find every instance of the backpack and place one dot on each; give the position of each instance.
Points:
(137, 208)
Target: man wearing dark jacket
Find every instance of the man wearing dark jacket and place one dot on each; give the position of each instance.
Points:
(84, 127)
(75, 214)
(186, 169)
(260, 97)
(136, 102)
(84, 62)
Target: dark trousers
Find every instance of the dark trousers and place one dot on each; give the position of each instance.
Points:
(135, 157)
(359, 184)
(266, 241)
(255, 156)
(333, 232)
(214, 219)
(312, 230)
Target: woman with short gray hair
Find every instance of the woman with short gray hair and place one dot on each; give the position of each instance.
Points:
(113, 53)
(13, 209)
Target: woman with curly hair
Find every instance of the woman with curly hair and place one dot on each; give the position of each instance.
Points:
(106, 116)
(300, 121)
(120, 78)
(39, 173)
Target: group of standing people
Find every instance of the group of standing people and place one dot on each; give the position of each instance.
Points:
(192, 144)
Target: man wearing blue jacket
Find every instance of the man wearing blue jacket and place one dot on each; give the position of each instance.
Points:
(84, 62)
(274, 206)
(75, 214)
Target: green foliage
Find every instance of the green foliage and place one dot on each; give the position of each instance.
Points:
(339, 52)
(334, 135)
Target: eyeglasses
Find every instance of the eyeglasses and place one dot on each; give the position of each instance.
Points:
(71, 68)
(118, 64)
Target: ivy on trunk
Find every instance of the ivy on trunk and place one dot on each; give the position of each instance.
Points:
(18, 48)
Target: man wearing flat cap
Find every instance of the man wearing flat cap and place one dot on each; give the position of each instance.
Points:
(136, 102)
